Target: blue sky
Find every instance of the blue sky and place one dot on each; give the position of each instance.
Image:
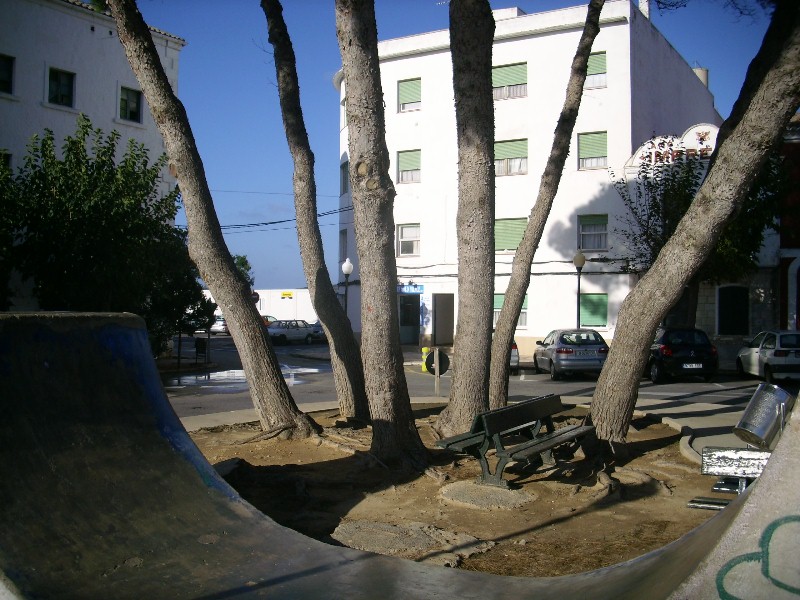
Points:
(227, 83)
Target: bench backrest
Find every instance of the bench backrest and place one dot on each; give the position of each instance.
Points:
(515, 415)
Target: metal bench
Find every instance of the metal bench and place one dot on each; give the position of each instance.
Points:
(736, 467)
(517, 433)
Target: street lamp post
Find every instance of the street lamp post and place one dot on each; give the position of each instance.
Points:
(347, 270)
(578, 260)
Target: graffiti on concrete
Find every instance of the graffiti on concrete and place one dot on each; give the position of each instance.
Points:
(775, 564)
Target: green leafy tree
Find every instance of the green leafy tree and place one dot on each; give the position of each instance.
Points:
(658, 197)
(243, 265)
(94, 234)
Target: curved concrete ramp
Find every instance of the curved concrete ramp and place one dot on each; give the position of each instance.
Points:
(103, 495)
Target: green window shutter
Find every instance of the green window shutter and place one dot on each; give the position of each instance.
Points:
(511, 149)
(409, 91)
(500, 298)
(498, 301)
(594, 310)
(593, 219)
(597, 63)
(409, 160)
(508, 233)
(593, 145)
(509, 75)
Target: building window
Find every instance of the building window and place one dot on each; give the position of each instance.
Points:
(522, 322)
(344, 178)
(408, 166)
(409, 95)
(408, 240)
(594, 310)
(511, 158)
(6, 74)
(593, 150)
(508, 234)
(61, 90)
(130, 105)
(596, 71)
(510, 81)
(733, 310)
(342, 245)
(593, 232)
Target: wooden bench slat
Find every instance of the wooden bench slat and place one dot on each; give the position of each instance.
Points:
(542, 444)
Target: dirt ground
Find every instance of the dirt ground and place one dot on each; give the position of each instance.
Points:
(568, 520)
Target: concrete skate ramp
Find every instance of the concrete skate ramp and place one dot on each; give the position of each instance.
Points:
(103, 495)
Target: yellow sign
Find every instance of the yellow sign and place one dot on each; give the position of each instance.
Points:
(288, 295)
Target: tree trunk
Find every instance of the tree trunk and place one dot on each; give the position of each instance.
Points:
(348, 372)
(471, 37)
(394, 435)
(548, 187)
(769, 97)
(271, 397)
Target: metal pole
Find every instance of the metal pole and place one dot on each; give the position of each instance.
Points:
(346, 279)
(436, 370)
(578, 309)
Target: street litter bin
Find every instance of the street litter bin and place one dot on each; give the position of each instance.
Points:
(425, 352)
(764, 416)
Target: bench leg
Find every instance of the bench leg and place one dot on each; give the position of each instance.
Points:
(495, 479)
(547, 458)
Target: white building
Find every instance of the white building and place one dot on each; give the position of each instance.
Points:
(281, 305)
(58, 59)
(637, 86)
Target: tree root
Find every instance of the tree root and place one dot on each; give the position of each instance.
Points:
(266, 435)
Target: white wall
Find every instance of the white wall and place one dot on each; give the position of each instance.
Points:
(41, 34)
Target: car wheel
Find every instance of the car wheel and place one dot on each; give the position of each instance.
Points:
(554, 375)
(282, 340)
(768, 377)
(515, 372)
(308, 339)
(536, 368)
(708, 378)
(656, 372)
(740, 369)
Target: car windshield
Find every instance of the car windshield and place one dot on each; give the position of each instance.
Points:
(790, 340)
(579, 338)
(687, 337)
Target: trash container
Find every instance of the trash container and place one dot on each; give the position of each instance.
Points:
(764, 416)
(425, 352)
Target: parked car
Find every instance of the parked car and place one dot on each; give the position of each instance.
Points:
(514, 360)
(219, 326)
(771, 355)
(566, 351)
(317, 331)
(682, 352)
(283, 332)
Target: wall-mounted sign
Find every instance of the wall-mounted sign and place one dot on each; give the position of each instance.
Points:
(287, 295)
(410, 289)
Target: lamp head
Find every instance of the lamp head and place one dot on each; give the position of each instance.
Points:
(347, 267)
(579, 260)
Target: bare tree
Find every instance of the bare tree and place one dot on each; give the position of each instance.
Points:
(348, 372)
(769, 97)
(548, 186)
(394, 435)
(471, 37)
(276, 409)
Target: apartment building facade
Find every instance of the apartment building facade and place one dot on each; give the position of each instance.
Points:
(637, 86)
(60, 59)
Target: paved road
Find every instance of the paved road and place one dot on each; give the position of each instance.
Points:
(310, 380)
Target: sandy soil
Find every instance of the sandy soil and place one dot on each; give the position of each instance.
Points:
(567, 519)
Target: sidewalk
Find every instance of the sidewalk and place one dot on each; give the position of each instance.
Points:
(700, 424)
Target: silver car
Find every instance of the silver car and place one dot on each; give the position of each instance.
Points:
(296, 330)
(771, 355)
(567, 351)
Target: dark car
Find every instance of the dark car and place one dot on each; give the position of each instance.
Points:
(567, 351)
(682, 352)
